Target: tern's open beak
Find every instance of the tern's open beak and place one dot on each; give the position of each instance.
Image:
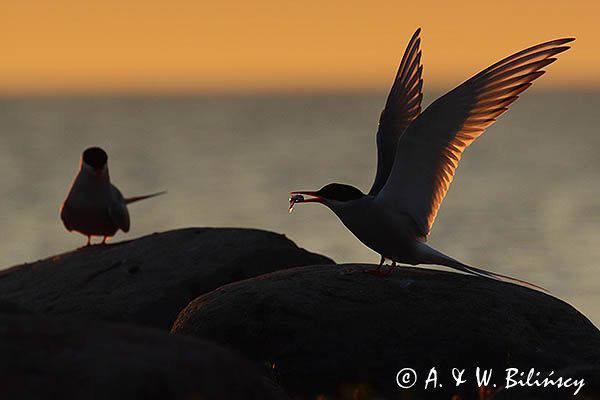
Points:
(299, 197)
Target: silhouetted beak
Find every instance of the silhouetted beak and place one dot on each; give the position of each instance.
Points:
(299, 197)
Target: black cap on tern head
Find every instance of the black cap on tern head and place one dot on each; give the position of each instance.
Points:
(95, 157)
(339, 192)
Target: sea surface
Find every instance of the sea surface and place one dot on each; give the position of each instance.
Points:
(525, 200)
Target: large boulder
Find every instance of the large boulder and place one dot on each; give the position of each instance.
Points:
(148, 280)
(58, 358)
(337, 331)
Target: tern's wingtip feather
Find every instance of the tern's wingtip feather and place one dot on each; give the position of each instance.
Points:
(561, 49)
(558, 42)
(415, 37)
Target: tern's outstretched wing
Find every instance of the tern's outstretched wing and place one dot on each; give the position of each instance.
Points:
(118, 210)
(402, 107)
(429, 151)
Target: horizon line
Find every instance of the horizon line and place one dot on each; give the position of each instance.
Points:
(282, 90)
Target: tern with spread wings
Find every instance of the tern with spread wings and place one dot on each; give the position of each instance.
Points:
(418, 153)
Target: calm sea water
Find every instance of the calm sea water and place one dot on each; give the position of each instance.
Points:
(525, 201)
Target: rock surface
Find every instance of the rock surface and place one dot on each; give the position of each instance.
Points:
(339, 331)
(148, 280)
(57, 358)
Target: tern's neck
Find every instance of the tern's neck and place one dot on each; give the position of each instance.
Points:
(348, 205)
(100, 174)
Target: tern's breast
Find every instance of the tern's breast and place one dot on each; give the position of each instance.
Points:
(86, 210)
(385, 233)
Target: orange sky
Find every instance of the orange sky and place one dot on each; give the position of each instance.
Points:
(124, 46)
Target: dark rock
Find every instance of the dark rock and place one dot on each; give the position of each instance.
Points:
(339, 331)
(148, 280)
(57, 358)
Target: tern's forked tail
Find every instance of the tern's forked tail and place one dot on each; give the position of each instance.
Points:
(130, 200)
(429, 255)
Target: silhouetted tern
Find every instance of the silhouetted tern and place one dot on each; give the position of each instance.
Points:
(94, 206)
(417, 155)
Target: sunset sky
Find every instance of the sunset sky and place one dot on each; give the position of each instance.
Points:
(103, 46)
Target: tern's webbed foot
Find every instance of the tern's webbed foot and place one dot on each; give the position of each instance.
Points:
(392, 268)
(378, 271)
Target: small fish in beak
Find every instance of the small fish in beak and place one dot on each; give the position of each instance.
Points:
(295, 198)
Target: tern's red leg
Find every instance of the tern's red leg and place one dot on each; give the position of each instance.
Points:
(103, 240)
(392, 267)
(89, 241)
(377, 270)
